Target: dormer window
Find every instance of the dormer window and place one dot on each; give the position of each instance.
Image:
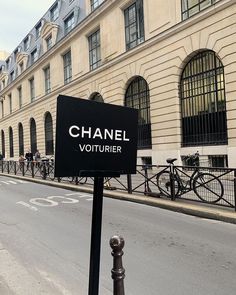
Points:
(95, 4)
(33, 56)
(38, 30)
(15, 53)
(26, 44)
(49, 42)
(69, 23)
(54, 12)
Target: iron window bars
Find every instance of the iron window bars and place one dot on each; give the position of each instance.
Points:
(203, 102)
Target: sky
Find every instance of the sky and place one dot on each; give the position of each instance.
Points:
(17, 18)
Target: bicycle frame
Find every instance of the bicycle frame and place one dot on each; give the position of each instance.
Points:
(185, 186)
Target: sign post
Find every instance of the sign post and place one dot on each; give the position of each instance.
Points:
(97, 140)
(96, 230)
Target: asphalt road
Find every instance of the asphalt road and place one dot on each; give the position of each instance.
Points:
(45, 245)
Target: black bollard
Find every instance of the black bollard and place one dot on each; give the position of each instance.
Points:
(118, 272)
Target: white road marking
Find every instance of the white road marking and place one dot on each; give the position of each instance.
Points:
(11, 181)
(27, 205)
(5, 182)
(69, 200)
(83, 195)
(22, 181)
(41, 202)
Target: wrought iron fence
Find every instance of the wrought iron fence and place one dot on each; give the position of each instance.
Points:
(216, 186)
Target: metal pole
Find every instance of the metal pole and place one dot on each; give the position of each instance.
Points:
(172, 183)
(118, 272)
(129, 183)
(96, 236)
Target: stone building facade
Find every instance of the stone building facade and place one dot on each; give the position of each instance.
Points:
(174, 60)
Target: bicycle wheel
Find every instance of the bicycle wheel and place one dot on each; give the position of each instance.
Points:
(163, 183)
(71, 179)
(82, 180)
(208, 187)
(51, 173)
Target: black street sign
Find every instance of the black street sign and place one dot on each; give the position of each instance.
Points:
(93, 136)
(95, 139)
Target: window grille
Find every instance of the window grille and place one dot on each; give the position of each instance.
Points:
(137, 96)
(33, 136)
(21, 139)
(3, 143)
(11, 142)
(203, 102)
(97, 97)
(220, 161)
(48, 129)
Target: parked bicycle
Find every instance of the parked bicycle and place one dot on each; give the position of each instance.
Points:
(205, 185)
(46, 168)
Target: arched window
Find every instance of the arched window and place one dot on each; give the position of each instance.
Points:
(96, 97)
(33, 136)
(48, 130)
(11, 142)
(21, 139)
(137, 96)
(203, 102)
(3, 143)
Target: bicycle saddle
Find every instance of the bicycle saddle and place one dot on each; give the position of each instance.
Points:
(170, 160)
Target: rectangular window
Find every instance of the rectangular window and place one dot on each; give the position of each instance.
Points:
(32, 89)
(33, 56)
(94, 50)
(47, 80)
(69, 23)
(2, 109)
(10, 103)
(220, 161)
(49, 42)
(67, 67)
(38, 30)
(54, 12)
(191, 7)
(15, 53)
(26, 44)
(134, 24)
(20, 96)
(95, 4)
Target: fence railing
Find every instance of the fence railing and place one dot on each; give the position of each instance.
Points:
(210, 185)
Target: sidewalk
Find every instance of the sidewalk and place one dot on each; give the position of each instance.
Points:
(183, 206)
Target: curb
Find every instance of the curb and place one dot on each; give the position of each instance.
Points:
(178, 205)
